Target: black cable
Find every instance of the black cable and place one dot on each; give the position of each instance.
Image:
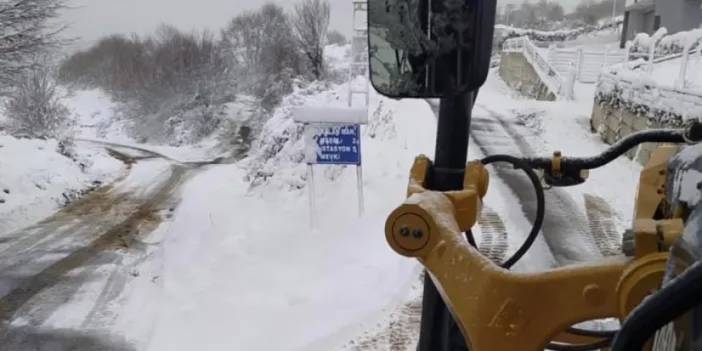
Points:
(471, 239)
(668, 304)
(677, 136)
(519, 163)
(588, 347)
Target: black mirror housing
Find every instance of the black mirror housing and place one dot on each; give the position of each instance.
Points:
(429, 48)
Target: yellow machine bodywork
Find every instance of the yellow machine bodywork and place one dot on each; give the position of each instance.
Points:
(500, 310)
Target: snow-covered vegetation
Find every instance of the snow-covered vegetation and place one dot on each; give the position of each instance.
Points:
(176, 87)
(665, 45)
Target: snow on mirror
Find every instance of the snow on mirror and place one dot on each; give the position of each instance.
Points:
(429, 48)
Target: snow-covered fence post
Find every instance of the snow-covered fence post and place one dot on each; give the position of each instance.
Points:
(312, 196)
(580, 64)
(681, 82)
(570, 82)
(654, 40)
(606, 56)
(651, 56)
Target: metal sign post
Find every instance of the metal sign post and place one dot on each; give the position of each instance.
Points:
(332, 137)
(359, 53)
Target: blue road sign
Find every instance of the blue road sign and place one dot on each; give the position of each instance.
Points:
(335, 145)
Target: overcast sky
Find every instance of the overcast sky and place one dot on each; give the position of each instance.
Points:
(92, 19)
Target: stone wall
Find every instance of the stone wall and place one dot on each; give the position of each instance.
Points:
(519, 74)
(613, 124)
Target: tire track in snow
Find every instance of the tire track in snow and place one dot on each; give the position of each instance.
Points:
(571, 235)
(88, 242)
(602, 225)
(563, 229)
(493, 233)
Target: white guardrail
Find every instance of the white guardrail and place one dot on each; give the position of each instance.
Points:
(588, 64)
(558, 84)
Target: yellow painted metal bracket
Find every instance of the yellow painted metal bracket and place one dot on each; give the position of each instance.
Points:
(496, 309)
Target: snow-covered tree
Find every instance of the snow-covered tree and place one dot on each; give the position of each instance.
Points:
(311, 22)
(26, 32)
(35, 109)
(263, 53)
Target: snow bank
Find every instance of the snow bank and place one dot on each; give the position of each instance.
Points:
(241, 262)
(36, 180)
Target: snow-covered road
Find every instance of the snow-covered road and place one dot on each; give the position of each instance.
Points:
(62, 277)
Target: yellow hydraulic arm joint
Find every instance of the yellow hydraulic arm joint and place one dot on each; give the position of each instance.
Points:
(499, 310)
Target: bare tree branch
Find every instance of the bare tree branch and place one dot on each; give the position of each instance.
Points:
(311, 23)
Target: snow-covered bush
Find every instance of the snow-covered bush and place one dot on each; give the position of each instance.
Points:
(665, 45)
(334, 37)
(34, 109)
(262, 53)
(279, 152)
(170, 76)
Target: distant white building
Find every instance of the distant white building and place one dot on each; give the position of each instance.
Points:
(646, 16)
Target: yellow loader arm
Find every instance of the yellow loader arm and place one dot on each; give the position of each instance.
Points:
(499, 310)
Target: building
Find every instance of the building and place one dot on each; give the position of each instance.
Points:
(646, 16)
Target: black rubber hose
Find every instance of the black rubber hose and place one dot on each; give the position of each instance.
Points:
(588, 347)
(519, 163)
(593, 333)
(668, 304)
(677, 136)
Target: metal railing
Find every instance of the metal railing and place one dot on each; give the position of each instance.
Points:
(558, 84)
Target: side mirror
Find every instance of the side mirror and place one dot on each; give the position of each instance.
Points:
(429, 48)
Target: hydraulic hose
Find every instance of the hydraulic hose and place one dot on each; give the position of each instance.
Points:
(588, 347)
(618, 149)
(519, 163)
(677, 136)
